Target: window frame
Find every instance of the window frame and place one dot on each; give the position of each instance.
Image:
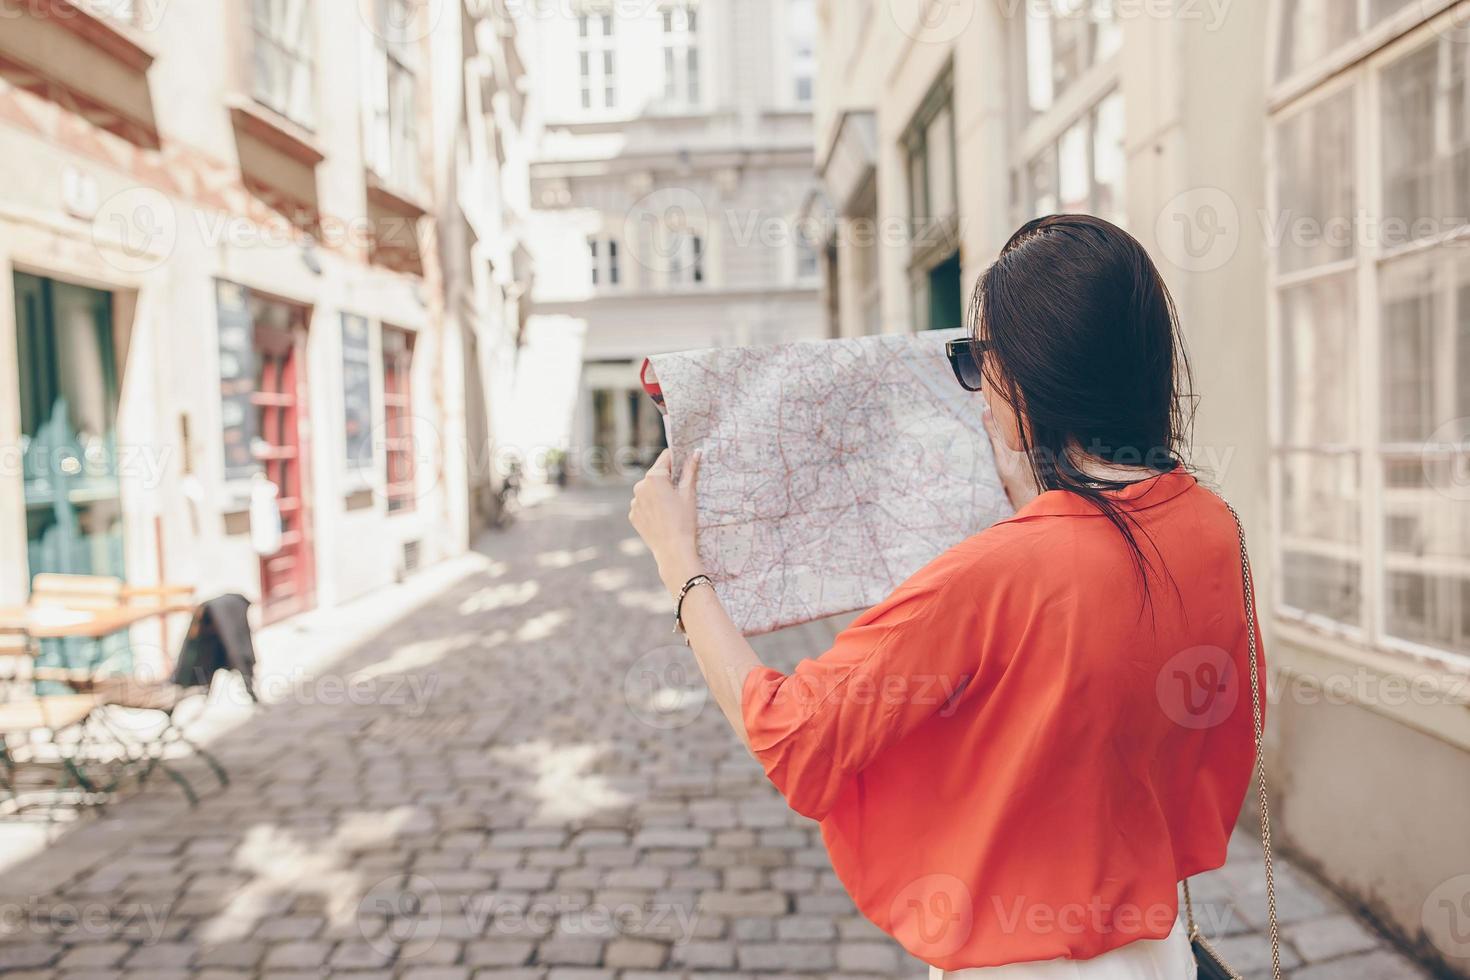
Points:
(299, 53)
(392, 69)
(683, 90)
(397, 398)
(1366, 43)
(1363, 78)
(800, 66)
(598, 51)
(605, 256)
(1034, 133)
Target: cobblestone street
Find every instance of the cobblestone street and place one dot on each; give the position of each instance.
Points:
(521, 777)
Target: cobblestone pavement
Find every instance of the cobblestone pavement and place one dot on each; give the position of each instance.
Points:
(520, 778)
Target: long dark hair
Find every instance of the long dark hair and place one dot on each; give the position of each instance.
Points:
(1085, 346)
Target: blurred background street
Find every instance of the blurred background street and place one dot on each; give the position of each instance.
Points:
(320, 332)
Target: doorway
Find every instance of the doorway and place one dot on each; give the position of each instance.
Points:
(287, 577)
(68, 385)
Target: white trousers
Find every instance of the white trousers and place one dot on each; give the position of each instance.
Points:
(1144, 959)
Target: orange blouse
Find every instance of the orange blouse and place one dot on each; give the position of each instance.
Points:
(1014, 757)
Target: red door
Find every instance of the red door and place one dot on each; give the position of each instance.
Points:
(288, 577)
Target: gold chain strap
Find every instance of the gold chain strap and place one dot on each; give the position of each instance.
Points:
(1259, 725)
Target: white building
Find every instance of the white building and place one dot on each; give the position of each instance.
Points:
(244, 245)
(1298, 169)
(673, 161)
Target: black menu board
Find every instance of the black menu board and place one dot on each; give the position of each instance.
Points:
(236, 379)
(357, 393)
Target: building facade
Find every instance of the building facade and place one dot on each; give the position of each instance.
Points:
(673, 160)
(1298, 169)
(253, 292)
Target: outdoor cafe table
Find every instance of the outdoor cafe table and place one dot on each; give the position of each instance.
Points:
(46, 622)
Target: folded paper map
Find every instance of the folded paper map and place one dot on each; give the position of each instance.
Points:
(831, 470)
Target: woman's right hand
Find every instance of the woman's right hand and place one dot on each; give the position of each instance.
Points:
(1013, 465)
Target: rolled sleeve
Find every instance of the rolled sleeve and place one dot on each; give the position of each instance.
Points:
(898, 664)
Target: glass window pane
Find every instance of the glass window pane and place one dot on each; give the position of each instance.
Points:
(940, 144)
(1319, 363)
(1425, 336)
(1040, 92)
(1320, 501)
(1426, 542)
(1074, 182)
(1071, 33)
(1315, 184)
(1426, 143)
(1041, 183)
(1109, 160)
(1380, 9)
(1310, 29)
(918, 179)
(1425, 426)
(1108, 36)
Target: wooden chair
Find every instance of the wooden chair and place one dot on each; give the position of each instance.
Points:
(101, 592)
(48, 716)
(92, 592)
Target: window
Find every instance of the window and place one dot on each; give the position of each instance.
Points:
(1084, 169)
(595, 60)
(283, 58)
(603, 253)
(398, 418)
(686, 260)
(933, 195)
(1062, 41)
(801, 25)
(681, 55)
(1310, 30)
(1371, 341)
(808, 262)
(391, 99)
(934, 262)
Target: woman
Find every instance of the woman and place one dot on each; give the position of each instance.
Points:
(1017, 756)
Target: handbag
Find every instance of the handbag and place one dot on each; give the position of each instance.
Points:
(1211, 965)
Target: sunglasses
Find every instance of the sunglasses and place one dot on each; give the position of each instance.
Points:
(965, 356)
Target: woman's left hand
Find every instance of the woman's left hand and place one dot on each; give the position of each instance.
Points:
(663, 514)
